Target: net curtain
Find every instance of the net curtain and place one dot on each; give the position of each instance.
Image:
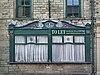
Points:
(31, 52)
(60, 53)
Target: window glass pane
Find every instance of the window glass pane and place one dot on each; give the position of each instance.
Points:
(57, 53)
(73, 8)
(20, 2)
(69, 11)
(75, 14)
(68, 53)
(69, 2)
(63, 53)
(27, 2)
(20, 11)
(27, 11)
(68, 39)
(42, 39)
(76, 2)
(20, 53)
(79, 39)
(19, 39)
(31, 39)
(57, 39)
(24, 8)
(31, 53)
(79, 53)
(73, 11)
(76, 11)
(70, 15)
(24, 11)
(41, 53)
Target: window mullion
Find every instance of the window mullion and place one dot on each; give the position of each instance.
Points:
(78, 11)
(72, 8)
(79, 8)
(72, 2)
(49, 48)
(24, 2)
(24, 9)
(72, 11)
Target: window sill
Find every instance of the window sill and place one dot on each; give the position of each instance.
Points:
(26, 18)
(74, 18)
(49, 62)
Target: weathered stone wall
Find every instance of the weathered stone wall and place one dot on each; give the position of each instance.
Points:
(6, 9)
(98, 49)
(40, 11)
(97, 24)
(86, 9)
(97, 11)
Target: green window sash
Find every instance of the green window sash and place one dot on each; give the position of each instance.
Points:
(23, 8)
(73, 8)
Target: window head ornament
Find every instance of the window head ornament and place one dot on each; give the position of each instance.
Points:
(40, 25)
(49, 24)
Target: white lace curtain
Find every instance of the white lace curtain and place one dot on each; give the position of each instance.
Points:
(39, 53)
(31, 52)
(69, 52)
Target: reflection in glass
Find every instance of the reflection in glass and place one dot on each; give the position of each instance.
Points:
(69, 2)
(68, 53)
(31, 53)
(19, 39)
(79, 39)
(21, 11)
(20, 2)
(57, 39)
(27, 11)
(42, 39)
(27, 2)
(76, 2)
(76, 11)
(31, 39)
(68, 39)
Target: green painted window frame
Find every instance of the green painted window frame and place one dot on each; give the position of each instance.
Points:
(48, 32)
(24, 5)
(79, 12)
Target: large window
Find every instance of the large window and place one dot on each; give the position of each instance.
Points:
(31, 48)
(63, 48)
(68, 48)
(73, 8)
(33, 44)
(23, 8)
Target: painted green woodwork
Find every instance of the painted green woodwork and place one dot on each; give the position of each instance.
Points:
(73, 9)
(87, 44)
(22, 13)
(12, 42)
(32, 29)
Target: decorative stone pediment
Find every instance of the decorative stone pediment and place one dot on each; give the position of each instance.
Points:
(45, 24)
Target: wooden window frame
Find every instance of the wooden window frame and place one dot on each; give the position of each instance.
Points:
(24, 5)
(79, 12)
(21, 31)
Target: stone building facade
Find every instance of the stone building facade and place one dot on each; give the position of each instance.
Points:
(40, 12)
(97, 9)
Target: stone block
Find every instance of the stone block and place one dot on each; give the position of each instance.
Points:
(3, 69)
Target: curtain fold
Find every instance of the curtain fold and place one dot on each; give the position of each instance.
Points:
(39, 52)
(31, 52)
(69, 52)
